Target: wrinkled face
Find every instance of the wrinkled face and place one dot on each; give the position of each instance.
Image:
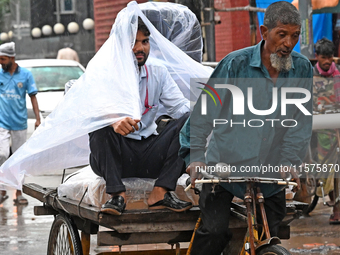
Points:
(324, 61)
(281, 39)
(6, 63)
(141, 48)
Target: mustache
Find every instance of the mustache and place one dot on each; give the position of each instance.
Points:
(140, 52)
(285, 49)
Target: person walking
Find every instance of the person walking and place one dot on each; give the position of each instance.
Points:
(15, 82)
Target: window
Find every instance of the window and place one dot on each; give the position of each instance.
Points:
(67, 6)
(53, 78)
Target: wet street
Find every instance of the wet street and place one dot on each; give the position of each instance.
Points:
(21, 232)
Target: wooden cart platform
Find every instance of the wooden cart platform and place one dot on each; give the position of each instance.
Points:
(137, 226)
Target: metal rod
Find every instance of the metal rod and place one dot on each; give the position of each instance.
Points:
(235, 9)
(260, 200)
(248, 201)
(198, 223)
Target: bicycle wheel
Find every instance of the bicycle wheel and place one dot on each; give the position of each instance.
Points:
(272, 249)
(312, 205)
(64, 238)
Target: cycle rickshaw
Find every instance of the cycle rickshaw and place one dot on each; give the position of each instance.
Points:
(133, 226)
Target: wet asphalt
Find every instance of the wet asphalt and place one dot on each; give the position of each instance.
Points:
(23, 233)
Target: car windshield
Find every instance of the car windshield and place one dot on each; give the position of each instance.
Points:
(53, 78)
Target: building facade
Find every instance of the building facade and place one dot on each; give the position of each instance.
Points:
(24, 22)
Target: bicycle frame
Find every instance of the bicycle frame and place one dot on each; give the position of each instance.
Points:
(252, 240)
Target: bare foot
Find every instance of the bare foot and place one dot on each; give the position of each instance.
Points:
(156, 195)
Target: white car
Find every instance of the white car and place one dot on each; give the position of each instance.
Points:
(50, 76)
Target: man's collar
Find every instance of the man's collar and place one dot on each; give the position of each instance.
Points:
(256, 58)
(142, 71)
(17, 70)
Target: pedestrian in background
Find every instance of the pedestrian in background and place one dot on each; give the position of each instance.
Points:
(68, 53)
(15, 82)
(326, 95)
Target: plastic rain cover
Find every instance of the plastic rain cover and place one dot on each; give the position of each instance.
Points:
(105, 93)
(178, 24)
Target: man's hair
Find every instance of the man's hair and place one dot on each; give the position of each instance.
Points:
(324, 47)
(283, 12)
(142, 27)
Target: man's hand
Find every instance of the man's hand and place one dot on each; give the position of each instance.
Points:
(37, 123)
(287, 172)
(125, 126)
(194, 172)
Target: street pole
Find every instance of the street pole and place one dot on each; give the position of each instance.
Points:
(18, 21)
(209, 21)
(252, 21)
(306, 39)
(58, 10)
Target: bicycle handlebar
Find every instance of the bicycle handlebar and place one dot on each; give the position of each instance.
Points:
(244, 179)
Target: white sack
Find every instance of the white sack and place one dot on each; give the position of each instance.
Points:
(105, 93)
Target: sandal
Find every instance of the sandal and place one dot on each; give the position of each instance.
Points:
(20, 200)
(333, 220)
(3, 198)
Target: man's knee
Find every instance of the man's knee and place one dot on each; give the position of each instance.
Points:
(101, 136)
(217, 229)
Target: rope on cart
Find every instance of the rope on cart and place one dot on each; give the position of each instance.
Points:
(78, 206)
(55, 198)
(63, 176)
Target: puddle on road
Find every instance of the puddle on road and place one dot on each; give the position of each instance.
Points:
(305, 245)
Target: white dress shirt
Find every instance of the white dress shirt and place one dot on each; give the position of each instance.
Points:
(162, 90)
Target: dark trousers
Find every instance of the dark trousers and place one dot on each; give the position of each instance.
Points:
(114, 156)
(213, 234)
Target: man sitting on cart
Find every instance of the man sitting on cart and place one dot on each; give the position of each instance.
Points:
(140, 148)
(247, 140)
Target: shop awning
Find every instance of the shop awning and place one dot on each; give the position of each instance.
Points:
(322, 6)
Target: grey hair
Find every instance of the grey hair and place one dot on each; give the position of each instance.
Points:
(283, 12)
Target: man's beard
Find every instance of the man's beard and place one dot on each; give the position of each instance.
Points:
(142, 63)
(145, 58)
(281, 63)
(7, 67)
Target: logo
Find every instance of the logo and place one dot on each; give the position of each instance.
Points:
(238, 104)
(204, 97)
(20, 85)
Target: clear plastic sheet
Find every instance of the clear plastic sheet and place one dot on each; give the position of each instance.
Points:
(178, 24)
(137, 189)
(75, 186)
(105, 93)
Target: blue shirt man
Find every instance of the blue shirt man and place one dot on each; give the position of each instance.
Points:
(13, 89)
(15, 82)
(249, 136)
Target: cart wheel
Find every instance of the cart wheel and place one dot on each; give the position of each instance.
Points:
(272, 249)
(64, 238)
